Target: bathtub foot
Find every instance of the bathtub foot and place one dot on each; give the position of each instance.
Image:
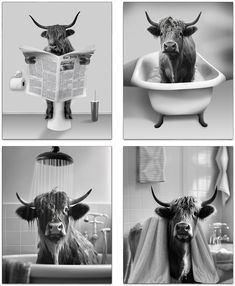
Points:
(201, 119)
(160, 121)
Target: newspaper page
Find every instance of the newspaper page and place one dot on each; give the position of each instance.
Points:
(72, 77)
(42, 74)
(56, 78)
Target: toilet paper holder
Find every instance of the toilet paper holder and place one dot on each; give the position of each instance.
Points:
(17, 82)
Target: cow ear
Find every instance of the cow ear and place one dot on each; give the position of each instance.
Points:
(26, 213)
(206, 211)
(154, 31)
(78, 211)
(189, 31)
(44, 34)
(164, 212)
(69, 32)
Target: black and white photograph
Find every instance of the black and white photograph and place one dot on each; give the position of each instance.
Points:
(56, 214)
(44, 98)
(178, 214)
(178, 70)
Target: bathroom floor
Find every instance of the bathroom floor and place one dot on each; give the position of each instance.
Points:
(30, 126)
(139, 117)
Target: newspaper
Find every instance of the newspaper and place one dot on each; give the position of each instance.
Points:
(56, 78)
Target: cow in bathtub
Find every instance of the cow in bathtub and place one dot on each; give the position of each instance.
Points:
(178, 53)
(60, 242)
(177, 57)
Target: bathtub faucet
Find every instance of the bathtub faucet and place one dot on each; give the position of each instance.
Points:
(92, 218)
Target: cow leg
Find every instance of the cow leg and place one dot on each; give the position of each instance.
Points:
(49, 111)
(201, 119)
(67, 109)
(160, 121)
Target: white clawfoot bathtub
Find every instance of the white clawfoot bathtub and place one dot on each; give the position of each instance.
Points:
(185, 98)
(48, 273)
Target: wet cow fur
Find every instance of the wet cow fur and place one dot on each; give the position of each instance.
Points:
(177, 57)
(58, 44)
(66, 245)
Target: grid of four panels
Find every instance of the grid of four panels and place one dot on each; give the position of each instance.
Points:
(90, 184)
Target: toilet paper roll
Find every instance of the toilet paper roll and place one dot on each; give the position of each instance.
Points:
(17, 83)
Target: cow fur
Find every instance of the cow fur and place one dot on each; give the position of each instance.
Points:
(176, 67)
(71, 247)
(185, 209)
(179, 252)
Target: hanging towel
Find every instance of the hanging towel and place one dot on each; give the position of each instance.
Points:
(151, 265)
(15, 272)
(222, 180)
(151, 164)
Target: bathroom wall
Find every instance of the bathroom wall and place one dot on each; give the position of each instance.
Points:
(214, 39)
(93, 27)
(188, 171)
(92, 169)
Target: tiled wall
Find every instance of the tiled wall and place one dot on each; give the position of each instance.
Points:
(19, 237)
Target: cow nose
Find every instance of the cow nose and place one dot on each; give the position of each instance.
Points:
(170, 46)
(55, 228)
(182, 227)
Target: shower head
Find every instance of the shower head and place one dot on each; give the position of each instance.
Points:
(54, 158)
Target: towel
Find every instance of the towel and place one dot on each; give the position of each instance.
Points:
(222, 180)
(15, 271)
(151, 265)
(151, 164)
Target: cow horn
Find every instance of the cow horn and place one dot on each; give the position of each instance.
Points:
(207, 202)
(150, 21)
(31, 205)
(158, 201)
(74, 21)
(76, 201)
(37, 24)
(194, 22)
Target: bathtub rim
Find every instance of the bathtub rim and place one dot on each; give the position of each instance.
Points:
(72, 271)
(136, 79)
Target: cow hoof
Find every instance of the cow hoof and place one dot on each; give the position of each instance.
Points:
(49, 115)
(201, 120)
(68, 116)
(160, 121)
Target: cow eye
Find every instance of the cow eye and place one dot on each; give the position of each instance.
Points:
(66, 210)
(196, 214)
(181, 34)
(161, 34)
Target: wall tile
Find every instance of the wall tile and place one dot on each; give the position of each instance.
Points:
(12, 224)
(12, 238)
(28, 238)
(11, 210)
(12, 249)
(28, 249)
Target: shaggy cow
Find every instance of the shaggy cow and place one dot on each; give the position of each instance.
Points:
(58, 44)
(182, 215)
(60, 242)
(178, 54)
